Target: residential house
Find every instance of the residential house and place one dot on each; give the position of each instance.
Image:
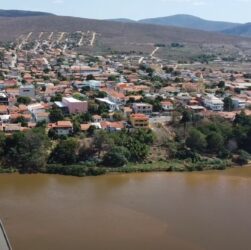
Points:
(143, 108)
(97, 118)
(62, 128)
(75, 106)
(213, 103)
(112, 126)
(27, 91)
(238, 103)
(167, 106)
(139, 121)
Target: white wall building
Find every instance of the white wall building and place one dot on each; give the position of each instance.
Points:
(239, 103)
(27, 91)
(213, 103)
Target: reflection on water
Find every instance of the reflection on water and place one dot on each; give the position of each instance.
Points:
(136, 211)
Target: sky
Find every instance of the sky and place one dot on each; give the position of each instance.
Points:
(222, 10)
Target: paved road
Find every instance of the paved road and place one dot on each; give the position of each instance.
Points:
(141, 60)
(93, 39)
(40, 35)
(61, 36)
(50, 36)
(80, 43)
(155, 50)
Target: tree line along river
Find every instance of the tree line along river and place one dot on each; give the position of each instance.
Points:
(155, 211)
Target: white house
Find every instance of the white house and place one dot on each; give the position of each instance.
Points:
(27, 91)
(167, 106)
(62, 128)
(214, 103)
(239, 103)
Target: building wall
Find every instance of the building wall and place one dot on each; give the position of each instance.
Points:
(139, 123)
(143, 109)
(63, 131)
(76, 107)
(27, 92)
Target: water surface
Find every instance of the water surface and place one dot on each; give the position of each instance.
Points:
(190, 211)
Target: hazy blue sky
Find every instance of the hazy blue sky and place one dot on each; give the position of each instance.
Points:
(229, 10)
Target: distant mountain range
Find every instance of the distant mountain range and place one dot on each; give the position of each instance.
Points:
(181, 21)
(22, 13)
(120, 35)
(241, 30)
(193, 22)
(115, 32)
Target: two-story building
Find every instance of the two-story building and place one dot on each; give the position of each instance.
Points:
(139, 121)
(62, 128)
(75, 106)
(238, 103)
(167, 106)
(213, 103)
(143, 108)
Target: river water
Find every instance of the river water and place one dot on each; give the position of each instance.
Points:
(190, 211)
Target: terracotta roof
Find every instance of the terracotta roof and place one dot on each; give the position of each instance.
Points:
(117, 125)
(61, 124)
(167, 103)
(85, 127)
(3, 109)
(15, 116)
(139, 117)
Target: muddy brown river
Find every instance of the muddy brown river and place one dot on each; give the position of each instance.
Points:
(176, 211)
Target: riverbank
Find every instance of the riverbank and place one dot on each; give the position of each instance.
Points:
(159, 166)
(81, 170)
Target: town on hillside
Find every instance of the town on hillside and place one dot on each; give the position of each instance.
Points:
(49, 83)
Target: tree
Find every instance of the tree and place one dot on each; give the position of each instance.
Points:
(24, 100)
(138, 150)
(91, 130)
(2, 144)
(196, 140)
(76, 127)
(85, 153)
(86, 117)
(22, 120)
(242, 119)
(90, 77)
(102, 141)
(56, 115)
(103, 108)
(112, 78)
(228, 104)
(116, 157)
(52, 134)
(85, 89)
(215, 142)
(221, 84)
(243, 157)
(99, 94)
(27, 151)
(118, 116)
(57, 98)
(46, 70)
(186, 117)
(79, 97)
(150, 71)
(65, 152)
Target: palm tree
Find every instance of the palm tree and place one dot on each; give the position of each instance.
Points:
(186, 117)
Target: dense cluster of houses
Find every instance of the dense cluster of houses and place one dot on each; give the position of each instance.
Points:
(31, 82)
